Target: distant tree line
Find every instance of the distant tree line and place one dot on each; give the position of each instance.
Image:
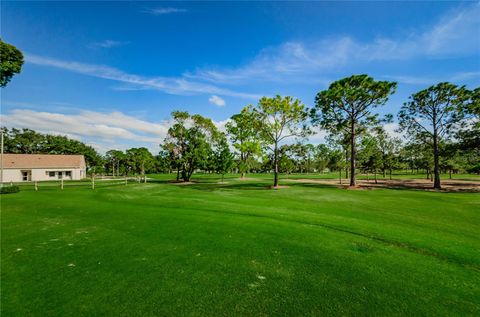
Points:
(441, 125)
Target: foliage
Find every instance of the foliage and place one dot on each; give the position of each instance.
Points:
(346, 108)
(245, 139)
(114, 159)
(11, 61)
(189, 142)
(223, 157)
(278, 119)
(139, 160)
(9, 189)
(26, 141)
(432, 115)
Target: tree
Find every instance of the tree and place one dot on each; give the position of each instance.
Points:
(322, 157)
(369, 155)
(278, 119)
(286, 162)
(24, 141)
(433, 114)
(244, 137)
(469, 135)
(346, 108)
(337, 162)
(139, 160)
(302, 155)
(11, 61)
(223, 161)
(27, 141)
(163, 162)
(114, 158)
(340, 142)
(189, 140)
(389, 148)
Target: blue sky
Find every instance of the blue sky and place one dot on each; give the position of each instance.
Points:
(110, 73)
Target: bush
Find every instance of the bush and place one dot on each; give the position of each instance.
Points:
(9, 189)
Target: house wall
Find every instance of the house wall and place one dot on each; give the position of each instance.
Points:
(11, 176)
(42, 174)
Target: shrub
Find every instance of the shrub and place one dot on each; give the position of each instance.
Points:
(9, 189)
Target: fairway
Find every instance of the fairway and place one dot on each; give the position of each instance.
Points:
(238, 248)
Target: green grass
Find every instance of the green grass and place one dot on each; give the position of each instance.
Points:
(238, 248)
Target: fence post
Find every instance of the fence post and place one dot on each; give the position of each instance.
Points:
(93, 181)
(145, 179)
(36, 186)
(61, 183)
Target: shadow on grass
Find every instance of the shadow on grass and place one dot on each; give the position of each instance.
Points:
(241, 185)
(227, 186)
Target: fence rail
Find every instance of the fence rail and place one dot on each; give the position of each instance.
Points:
(91, 183)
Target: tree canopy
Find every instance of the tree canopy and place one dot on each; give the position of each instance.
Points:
(26, 141)
(278, 119)
(346, 108)
(11, 61)
(189, 140)
(433, 114)
(245, 139)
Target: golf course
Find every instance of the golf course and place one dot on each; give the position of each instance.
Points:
(239, 248)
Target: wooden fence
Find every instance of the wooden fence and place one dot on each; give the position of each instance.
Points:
(92, 183)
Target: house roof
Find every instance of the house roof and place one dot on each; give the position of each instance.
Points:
(42, 161)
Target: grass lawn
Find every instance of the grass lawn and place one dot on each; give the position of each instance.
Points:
(238, 248)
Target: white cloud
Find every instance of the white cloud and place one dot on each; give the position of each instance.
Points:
(217, 101)
(103, 130)
(109, 44)
(392, 130)
(425, 81)
(162, 11)
(170, 85)
(452, 35)
(318, 137)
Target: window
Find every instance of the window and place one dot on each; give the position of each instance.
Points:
(51, 174)
(68, 173)
(60, 175)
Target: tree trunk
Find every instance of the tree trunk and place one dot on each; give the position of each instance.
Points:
(275, 159)
(353, 154)
(450, 174)
(184, 174)
(390, 174)
(178, 174)
(340, 175)
(436, 168)
(375, 173)
(346, 160)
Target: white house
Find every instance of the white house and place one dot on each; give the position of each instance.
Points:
(42, 167)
